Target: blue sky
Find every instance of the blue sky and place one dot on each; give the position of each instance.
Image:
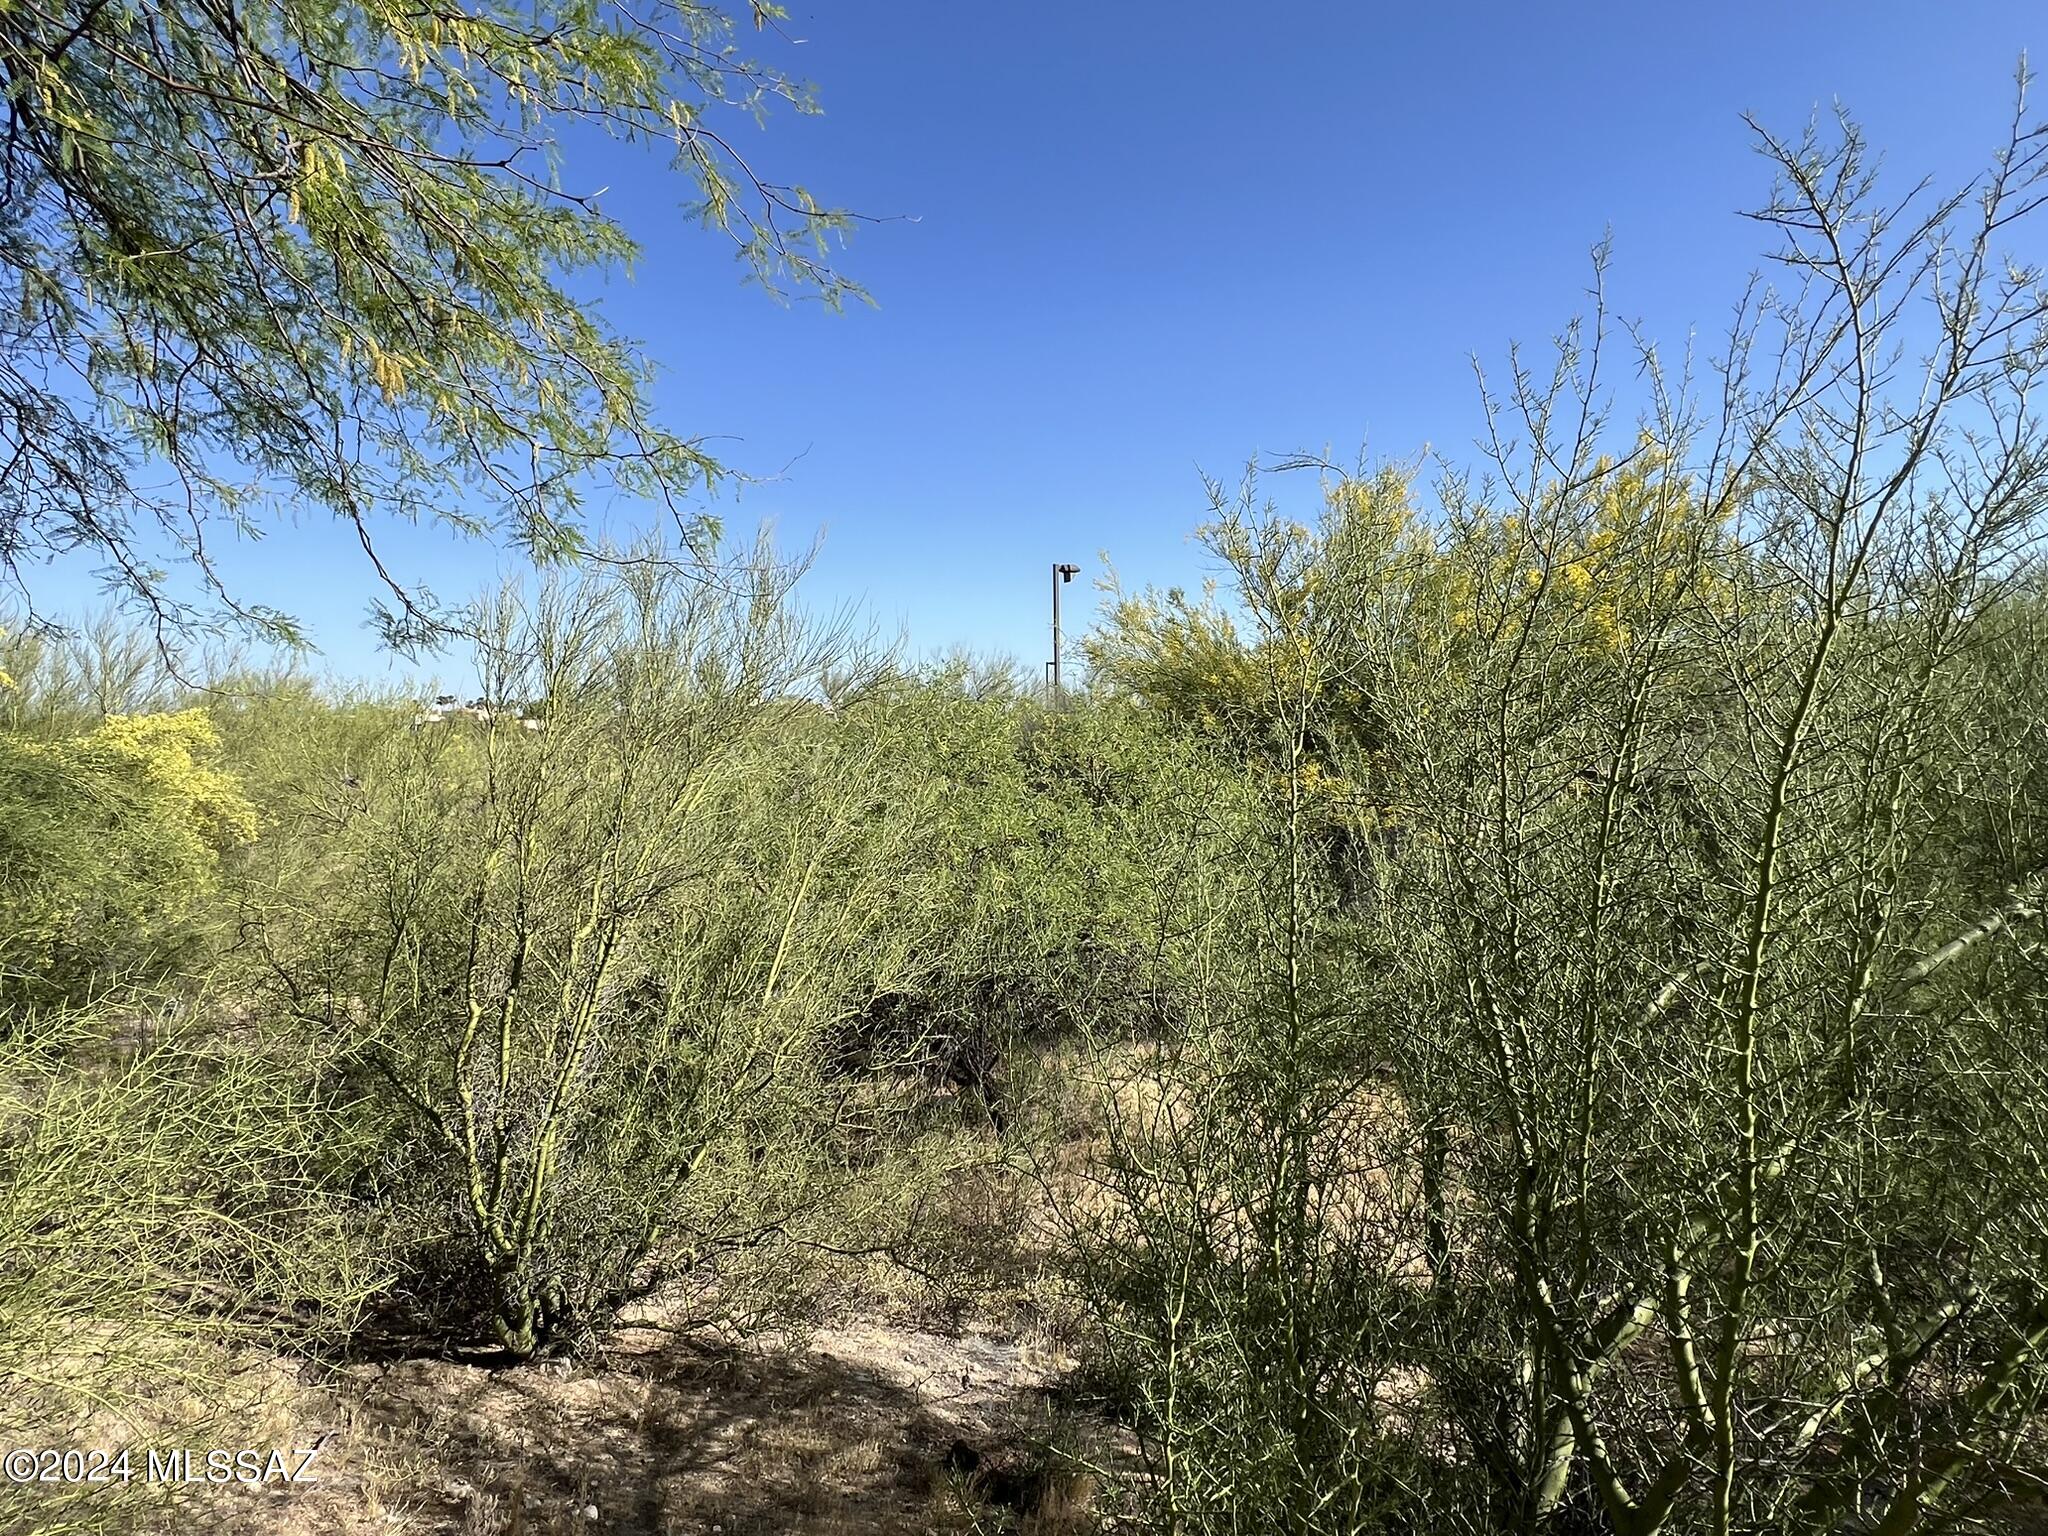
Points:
(1140, 241)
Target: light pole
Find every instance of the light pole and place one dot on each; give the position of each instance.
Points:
(1061, 575)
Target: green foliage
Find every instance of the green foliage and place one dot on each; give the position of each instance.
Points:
(66, 681)
(110, 846)
(1245, 1287)
(164, 1194)
(319, 254)
(1651, 1141)
(1045, 885)
(1553, 979)
(581, 967)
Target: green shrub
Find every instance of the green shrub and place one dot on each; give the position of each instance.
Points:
(584, 970)
(164, 1196)
(110, 850)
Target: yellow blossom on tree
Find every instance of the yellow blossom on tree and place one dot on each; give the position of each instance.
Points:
(179, 755)
(109, 845)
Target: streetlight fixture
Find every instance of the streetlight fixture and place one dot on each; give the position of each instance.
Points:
(1061, 575)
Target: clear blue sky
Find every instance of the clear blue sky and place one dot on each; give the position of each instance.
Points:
(1145, 240)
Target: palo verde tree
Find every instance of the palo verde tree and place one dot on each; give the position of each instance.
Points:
(1712, 943)
(1675, 1091)
(1243, 1287)
(315, 253)
(110, 849)
(584, 971)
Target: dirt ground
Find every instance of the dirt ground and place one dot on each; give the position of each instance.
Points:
(861, 1427)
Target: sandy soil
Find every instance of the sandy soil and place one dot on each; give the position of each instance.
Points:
(861, 1427)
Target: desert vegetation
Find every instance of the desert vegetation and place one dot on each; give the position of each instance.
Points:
(1520, 1008)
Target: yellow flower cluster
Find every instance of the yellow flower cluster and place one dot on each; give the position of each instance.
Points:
(178, 756)
(1648, 548)
(1381, 508)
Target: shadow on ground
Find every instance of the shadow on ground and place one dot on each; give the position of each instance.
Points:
(864, 1430)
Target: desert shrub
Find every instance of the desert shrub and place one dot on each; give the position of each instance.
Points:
(295, 739)
(1059, 844)
(1654, 1148)
(110, 849)
(1235, 1236)
(62, 680)
(163, 1198)
(583, 971)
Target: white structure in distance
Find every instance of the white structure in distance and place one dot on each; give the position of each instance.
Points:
(447, 709)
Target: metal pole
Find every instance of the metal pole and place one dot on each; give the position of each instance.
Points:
(1056, 634)
(1062, 572)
